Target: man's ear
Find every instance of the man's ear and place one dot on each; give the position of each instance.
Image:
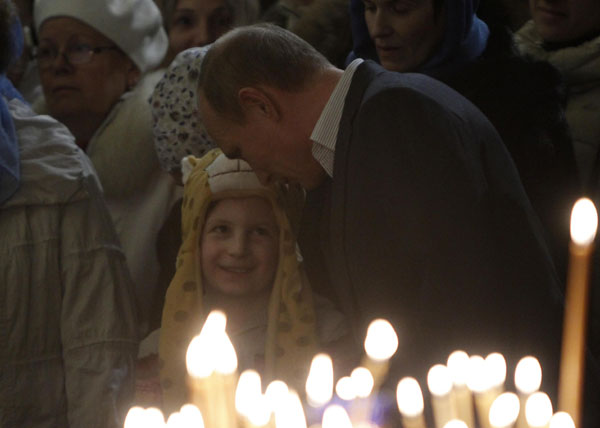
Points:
(257, 101)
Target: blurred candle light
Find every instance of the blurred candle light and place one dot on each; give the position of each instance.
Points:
(439, 382)
(561, 420)
(584, 223)
(496, 367)
(290, 413)
(504, 410)
(192, 416)
(344, 388)
(528, 378)
(276, 394)
(455, 423)
(480, 383)
(319, 384)
(380, 344)
(335, 416)
(248, 388)
(176, 420)
(458, 367)
(260, 413)
(362, 384)
(538, 410)
(134, 418)
(410, 403)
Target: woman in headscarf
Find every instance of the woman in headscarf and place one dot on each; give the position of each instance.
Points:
(96, 60)
(522, 98)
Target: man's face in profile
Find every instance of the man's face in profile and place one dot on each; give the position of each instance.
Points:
(565, 20)
(270, 149)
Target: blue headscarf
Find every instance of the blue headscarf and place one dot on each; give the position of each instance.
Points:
(465, 38)
(9, 146)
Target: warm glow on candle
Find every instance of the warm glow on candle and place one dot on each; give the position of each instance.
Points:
(381, 341)
(495, 365)
(319, 384)
(290, 414)
(260, 412)
(409, 397)
(247, 391)
(134, 417)
(478, 379)
(528, 375)
(538, 410)
(561, 420)
(456, 423)
(203, 354)
(504, 410)
(276, 394)
(176, 420)
(192, 416)
(362, 382)
(438, 380)
(584, 222)
(344, 388)
(225, 356)
(458, 366)
(336, 417)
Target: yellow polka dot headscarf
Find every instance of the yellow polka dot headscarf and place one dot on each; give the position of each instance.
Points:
(291, 330)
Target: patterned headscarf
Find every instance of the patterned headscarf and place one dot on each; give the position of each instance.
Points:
(176, 124)
(291, 327)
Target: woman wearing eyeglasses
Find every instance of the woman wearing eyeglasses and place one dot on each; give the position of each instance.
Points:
(96, 61)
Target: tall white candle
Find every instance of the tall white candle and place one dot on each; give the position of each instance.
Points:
(528, 378)
(440, 385)
(504, 410)
(538, 410)
(319, 384)
(458, 365)
(409, 398)
(584, 222)
(381, 344)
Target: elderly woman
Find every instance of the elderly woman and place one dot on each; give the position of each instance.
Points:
(94, 59)
(196, 23)
(446, 40)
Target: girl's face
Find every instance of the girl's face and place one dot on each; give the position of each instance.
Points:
(239, 248)
(196, 23)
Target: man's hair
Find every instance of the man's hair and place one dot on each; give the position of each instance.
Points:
(261, 54)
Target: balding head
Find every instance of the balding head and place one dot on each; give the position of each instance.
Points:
(257, 55)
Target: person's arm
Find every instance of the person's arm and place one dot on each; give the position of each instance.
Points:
(98, 319)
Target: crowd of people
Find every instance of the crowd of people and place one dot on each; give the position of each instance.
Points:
(305, 166)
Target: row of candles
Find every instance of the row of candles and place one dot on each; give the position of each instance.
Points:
(466, 392)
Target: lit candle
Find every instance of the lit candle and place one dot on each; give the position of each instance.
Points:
(138, 417)
(362, 385)
(381, 344)
(440, 385)
(528, 378)
(410, 403)
(561, 420)
(335, 416)
(344, 388)
(458, 365)
(504, 410)
(248, 396)
(290, 414)
(584, 222)
(455, 423)
(212, 365)
(276, 398)
(480, 383)
(538, 410)
(319, 384)
(495, 365)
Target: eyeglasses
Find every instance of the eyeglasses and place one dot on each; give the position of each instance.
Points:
(75, 54)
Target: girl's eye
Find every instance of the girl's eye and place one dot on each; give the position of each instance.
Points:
(183, 20)
(262, 231)
(220, 229)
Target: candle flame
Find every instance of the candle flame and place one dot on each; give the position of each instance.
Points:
(561, 420)
(344, 388)
(134, 416)
(455, 423)
(192, 416)
(504, 410)
(247, 391)
(458, 365)
(259, 413)
(409, 397)
(381, 341)
(479, 378)
(538, 410)
(528, 375)
(291, 413)
(439, 380)
(319, 384)
(584, 222)
(336, 417)
(495, 365)
(225, 356)
(362, 382)
(275, 393)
